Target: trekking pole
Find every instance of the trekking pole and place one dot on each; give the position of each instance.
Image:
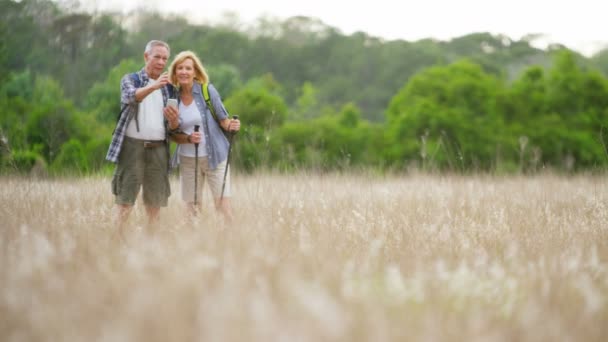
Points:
(195, 168)
(235, 117)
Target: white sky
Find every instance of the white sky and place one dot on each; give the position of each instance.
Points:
(578, 24)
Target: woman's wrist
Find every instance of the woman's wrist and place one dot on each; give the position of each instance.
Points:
(189, 138)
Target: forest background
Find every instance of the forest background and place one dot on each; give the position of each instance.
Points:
(309, 96)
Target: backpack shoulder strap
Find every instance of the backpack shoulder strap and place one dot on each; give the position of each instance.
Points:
(136, 79)
(208, 100)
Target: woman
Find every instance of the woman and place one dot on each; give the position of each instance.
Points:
(188, 75)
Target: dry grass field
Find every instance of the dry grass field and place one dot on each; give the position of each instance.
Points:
(312, 258)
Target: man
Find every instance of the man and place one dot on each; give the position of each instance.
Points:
(140, 144)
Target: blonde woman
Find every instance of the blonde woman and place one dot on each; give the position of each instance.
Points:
(188, 74)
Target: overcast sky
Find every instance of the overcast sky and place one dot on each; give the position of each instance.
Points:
(578, 24)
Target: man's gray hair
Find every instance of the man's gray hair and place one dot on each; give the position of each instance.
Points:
(153, 43)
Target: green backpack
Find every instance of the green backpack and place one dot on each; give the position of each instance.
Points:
(205, 87)
(208, 102)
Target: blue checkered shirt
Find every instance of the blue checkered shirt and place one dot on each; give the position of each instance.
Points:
(131, 108)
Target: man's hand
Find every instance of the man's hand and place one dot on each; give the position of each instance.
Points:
(162, 80)
(141, 93)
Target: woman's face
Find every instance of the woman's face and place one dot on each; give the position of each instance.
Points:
(185, 72)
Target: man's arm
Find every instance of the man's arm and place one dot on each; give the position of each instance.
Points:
(131, 94)
(128, 89)
(141, 93)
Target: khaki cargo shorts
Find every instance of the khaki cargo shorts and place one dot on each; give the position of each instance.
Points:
(142, 164)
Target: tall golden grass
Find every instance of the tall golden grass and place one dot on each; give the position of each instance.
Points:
(311, 258)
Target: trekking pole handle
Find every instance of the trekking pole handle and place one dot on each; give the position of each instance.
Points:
(196, 127)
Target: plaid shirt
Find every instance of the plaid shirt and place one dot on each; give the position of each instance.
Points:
(130, 110)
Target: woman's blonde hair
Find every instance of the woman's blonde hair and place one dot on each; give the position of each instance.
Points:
(200, 74)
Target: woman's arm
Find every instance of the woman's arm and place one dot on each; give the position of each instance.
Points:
(227, 124)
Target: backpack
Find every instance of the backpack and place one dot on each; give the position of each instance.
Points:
(205, 87)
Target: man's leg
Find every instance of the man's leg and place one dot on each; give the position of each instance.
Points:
(122, 215)
(156, 189)
(126, 182)
(153, 214)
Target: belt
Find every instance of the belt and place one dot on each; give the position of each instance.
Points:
(148, 143)
(154, 143)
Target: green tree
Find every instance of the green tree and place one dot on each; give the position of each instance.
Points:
(226, 78)
(600, 60)
(307, 104)
(53, 120)
(16, 97)
(103, 98)
(261, 110)
(71, 157)
(332, 141)
(350, 115)
(446, 117)
(258, 104)
(579, 97)
(555, 118)
(87, 47)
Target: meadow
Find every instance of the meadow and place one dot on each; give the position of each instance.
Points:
(311, 257)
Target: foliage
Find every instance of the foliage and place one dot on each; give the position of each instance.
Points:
(72, 156)
(258, 104)
(600, 60)
(308, 95)
(24, 161)
(225, 77)
(447, 117)
(103, 98)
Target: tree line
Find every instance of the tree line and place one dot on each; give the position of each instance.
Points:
(309, 96)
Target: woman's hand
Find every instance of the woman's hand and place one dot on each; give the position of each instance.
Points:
(234, 125)
(172, 116)
(195, 138)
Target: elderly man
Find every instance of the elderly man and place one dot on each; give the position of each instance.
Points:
(140, 142)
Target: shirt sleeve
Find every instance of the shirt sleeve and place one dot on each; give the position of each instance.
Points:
(127, 90)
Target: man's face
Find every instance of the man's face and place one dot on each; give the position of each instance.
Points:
(156, 61)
